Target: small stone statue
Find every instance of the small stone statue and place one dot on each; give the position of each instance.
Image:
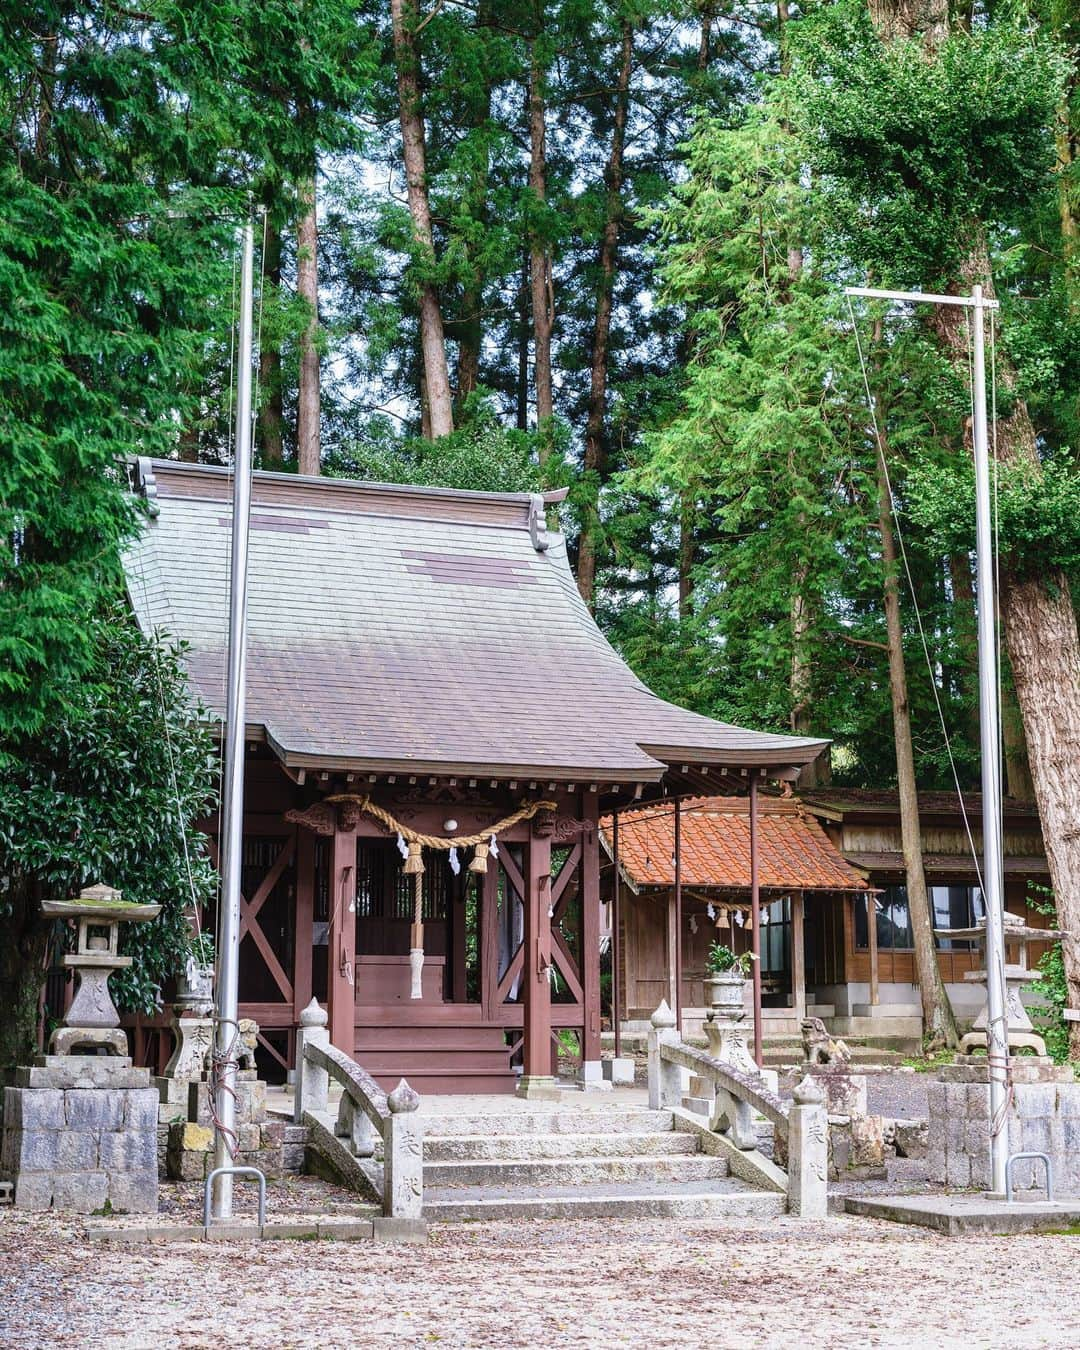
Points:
(819, 1047)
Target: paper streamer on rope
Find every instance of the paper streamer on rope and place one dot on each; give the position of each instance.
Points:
(411, 844)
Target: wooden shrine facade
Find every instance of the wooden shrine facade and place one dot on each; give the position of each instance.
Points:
(425, 651)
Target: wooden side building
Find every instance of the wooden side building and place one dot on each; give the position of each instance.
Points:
(836, 933)
(421, 656)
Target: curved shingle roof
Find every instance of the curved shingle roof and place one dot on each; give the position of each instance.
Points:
(397, 628)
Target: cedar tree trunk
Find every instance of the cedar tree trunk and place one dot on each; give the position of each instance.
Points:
(23, 939)
(271, 414)
(594, 457)
(307, 284)
(439, 419)
(939, 1021)
(540, 278)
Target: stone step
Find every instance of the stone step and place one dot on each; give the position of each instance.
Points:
(443, 1124)
(7, 1192)
(484, 1147)
(718, 1199)
(511, 1173)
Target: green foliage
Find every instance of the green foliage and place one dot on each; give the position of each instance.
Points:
(1037, 512)
(1051, 984)
(720, 959)
(108, 791)
(481, 456)
(916, 146)
(765, 456)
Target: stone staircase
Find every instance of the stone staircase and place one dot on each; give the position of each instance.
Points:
(565, 1161)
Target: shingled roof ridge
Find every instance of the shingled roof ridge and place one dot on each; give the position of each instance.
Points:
(151, 478)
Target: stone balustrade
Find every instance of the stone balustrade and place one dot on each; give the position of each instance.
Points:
(739, 1097)
(365, 1114)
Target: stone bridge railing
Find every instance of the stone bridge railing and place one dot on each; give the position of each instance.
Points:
(738, 1097)
(365, 1115)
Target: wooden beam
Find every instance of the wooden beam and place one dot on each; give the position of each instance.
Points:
(871, 941)
(616, 965)
(341, 943)
(677, 1005)
(249, 909)
(305, 909)
(559, 896)
(590, 930)
(456, 916)
(489, 940)
(798, 953)
(755, 914)
(536, 983)
(672, 943)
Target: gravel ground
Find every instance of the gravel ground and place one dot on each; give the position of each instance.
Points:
(843, 1283)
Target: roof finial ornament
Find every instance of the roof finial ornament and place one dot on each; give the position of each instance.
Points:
(145, 483)
(538, 530)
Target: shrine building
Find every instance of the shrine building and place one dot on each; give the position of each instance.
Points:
(435, 727)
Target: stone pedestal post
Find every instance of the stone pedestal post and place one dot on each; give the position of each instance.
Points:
(665, 1079)
(403, 1156)
(312, 1081)
(808, 1153)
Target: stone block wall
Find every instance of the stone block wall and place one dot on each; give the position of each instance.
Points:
(82, 1148)
(189, 1147)
(1044, 1117)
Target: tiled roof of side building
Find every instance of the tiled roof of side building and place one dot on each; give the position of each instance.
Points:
(886, 801)
(415, 629)
(793, 850)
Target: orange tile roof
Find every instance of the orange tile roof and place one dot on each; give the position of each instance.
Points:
(794, 852)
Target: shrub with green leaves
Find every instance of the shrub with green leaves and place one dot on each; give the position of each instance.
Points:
(106, 791)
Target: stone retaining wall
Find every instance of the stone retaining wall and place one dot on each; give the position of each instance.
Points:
(81, 1134)
(1044, 1117)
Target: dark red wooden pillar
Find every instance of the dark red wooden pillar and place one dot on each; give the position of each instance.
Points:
(755, 915)
(305, 908)
(678, 917)
(489, 939)
(537, 1079)
(341, 947)
(616, 971)
(590, 927)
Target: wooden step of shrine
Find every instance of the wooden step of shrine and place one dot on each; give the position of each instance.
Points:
(435, 1058)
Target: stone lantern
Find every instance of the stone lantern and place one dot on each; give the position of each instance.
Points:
(92, 1021)
(80, 1130)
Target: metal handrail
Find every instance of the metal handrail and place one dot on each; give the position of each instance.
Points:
(235, 1172)
(1015, 1158)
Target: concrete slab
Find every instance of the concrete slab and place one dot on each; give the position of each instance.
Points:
(958, 1215)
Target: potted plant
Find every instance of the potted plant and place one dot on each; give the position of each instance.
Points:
(725, 975)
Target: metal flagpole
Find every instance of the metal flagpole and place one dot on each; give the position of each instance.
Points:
(997, 1046)
(997, 1035)
(228, 928)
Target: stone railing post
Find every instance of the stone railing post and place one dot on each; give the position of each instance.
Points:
(403, 1156)
(312, 1080)
(665, 1078)
(808, 1152)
